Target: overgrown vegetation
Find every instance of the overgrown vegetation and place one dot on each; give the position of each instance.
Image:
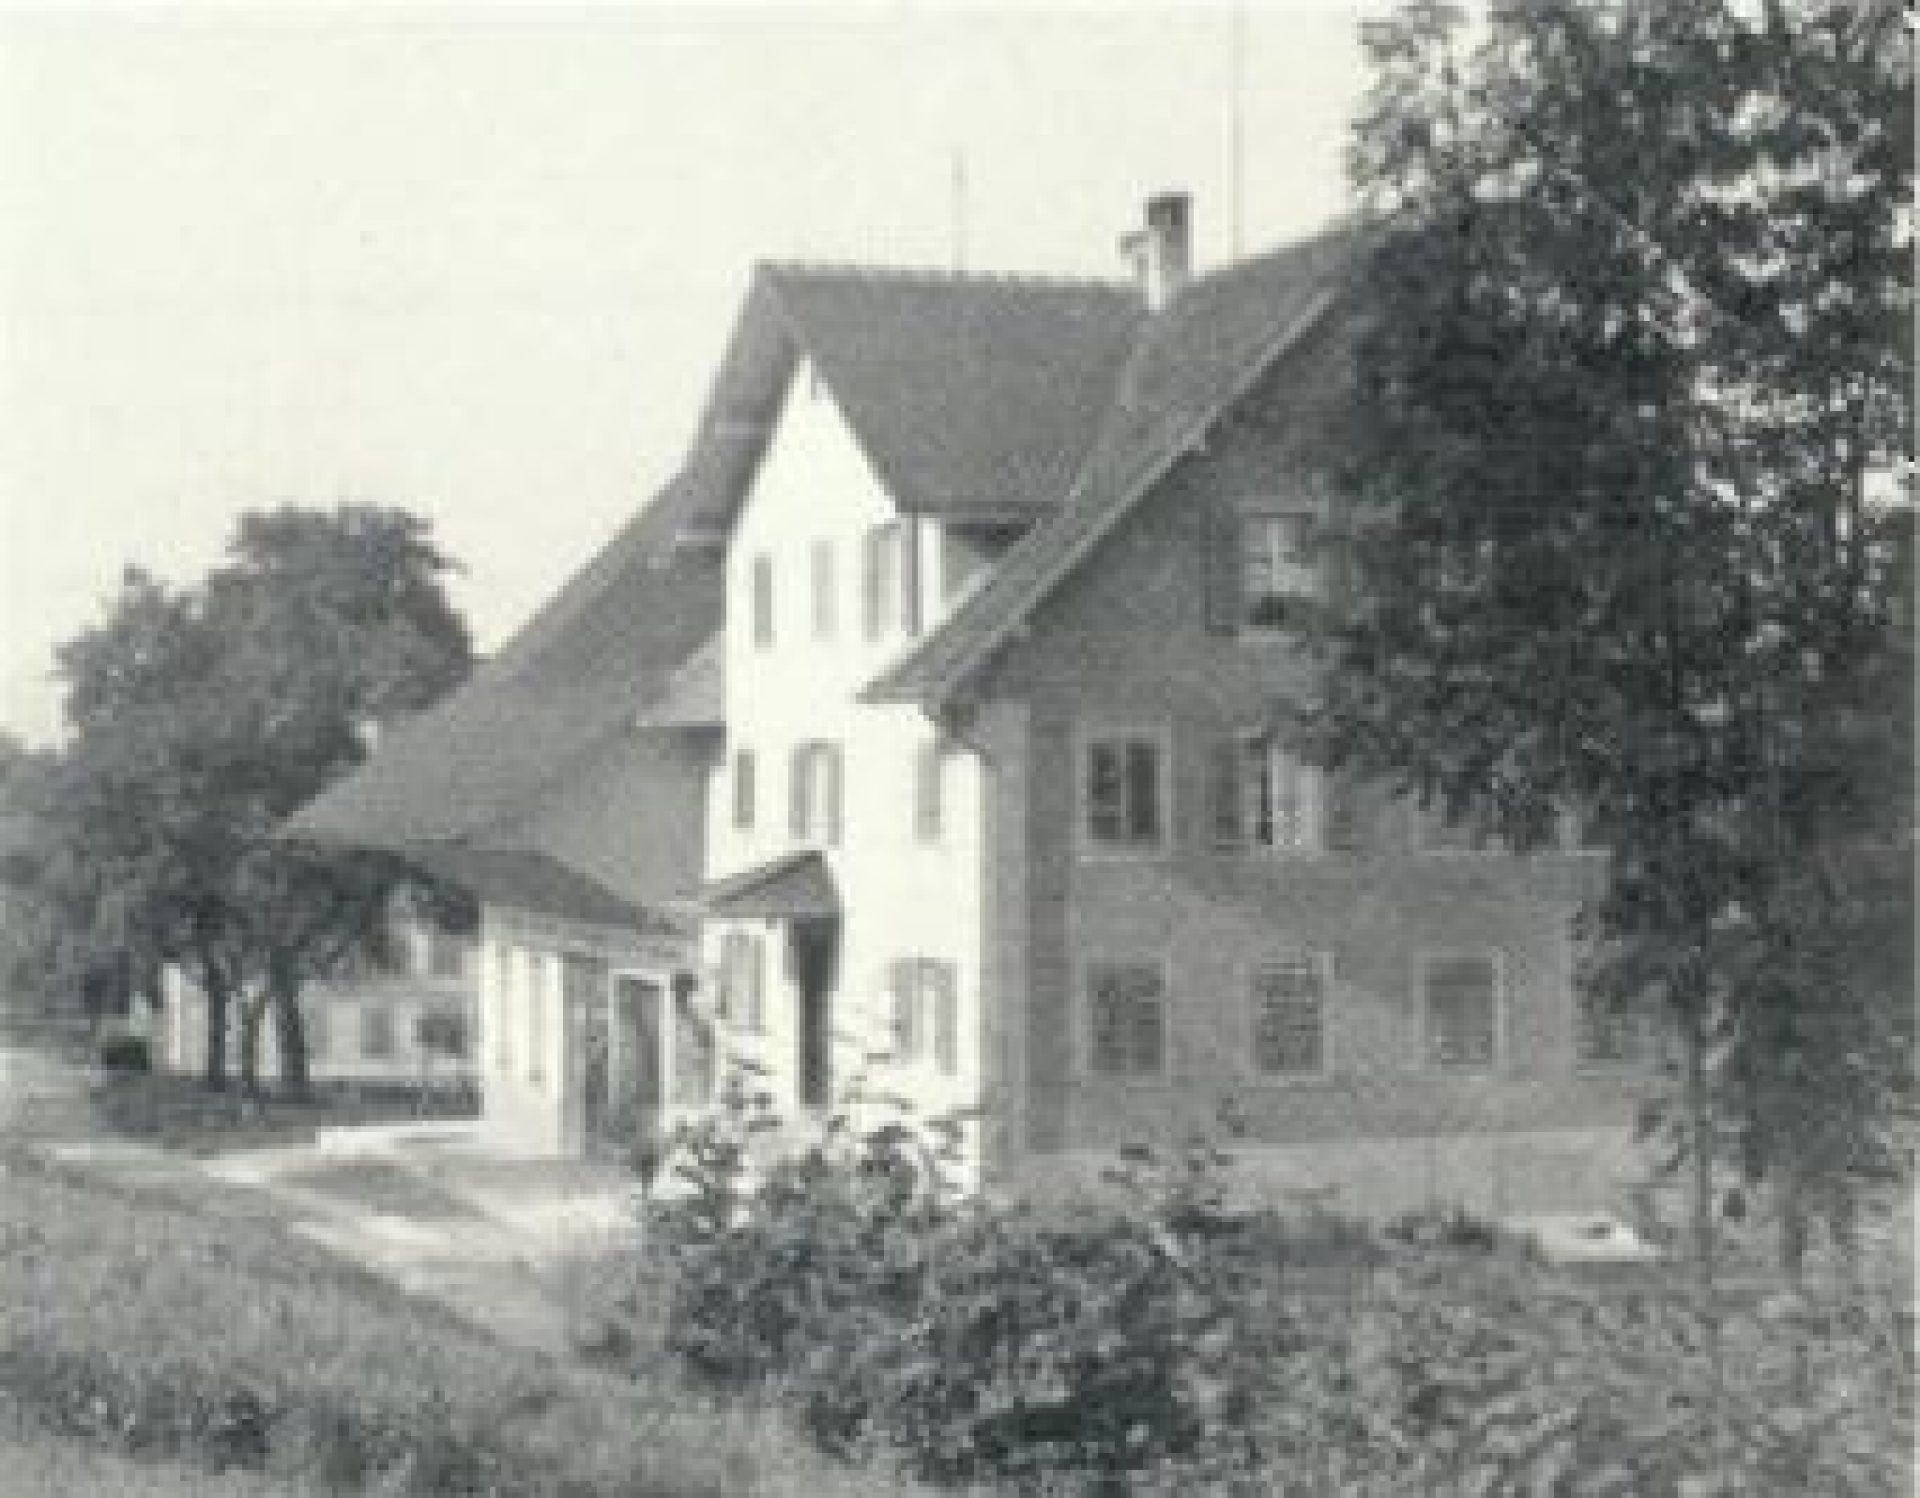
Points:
(1158, 1342)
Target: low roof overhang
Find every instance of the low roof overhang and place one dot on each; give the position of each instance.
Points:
(795, 886)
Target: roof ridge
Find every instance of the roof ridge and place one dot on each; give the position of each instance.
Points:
(944, 275)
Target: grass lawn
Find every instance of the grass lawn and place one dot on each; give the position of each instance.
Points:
(381, 1186)
(177, 1326)
(35, 1463)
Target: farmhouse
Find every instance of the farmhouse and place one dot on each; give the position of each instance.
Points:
(925, 732)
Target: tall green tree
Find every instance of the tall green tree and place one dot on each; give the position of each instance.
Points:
(1634, 344)
(202, 718)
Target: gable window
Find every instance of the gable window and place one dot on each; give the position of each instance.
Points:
(883, 578)
(741, 996)
(1276, 568)
(1289, 1016)
(376, 1032)
(1124, 791)
(924, 1002)
(929, 774)
(762, 600)
(825, 600)
(1126, 1019)
(743, 789)
(814, 803)
(1266, 798)
(1462, 999)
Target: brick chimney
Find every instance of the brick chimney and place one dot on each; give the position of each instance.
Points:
(1162, 252)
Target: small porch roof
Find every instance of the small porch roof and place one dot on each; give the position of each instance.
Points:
(794, 886)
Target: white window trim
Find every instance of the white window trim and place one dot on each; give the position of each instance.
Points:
(1328, 1069)
(1316, 779)
(1502, 979)
(1253, 507)
(1084, 1073)
(1084, 737)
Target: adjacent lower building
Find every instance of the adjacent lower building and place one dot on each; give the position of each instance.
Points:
(926, 738)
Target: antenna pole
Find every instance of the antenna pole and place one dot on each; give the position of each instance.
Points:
(1236, 91)
(959, 211)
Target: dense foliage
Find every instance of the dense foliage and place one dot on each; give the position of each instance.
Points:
(1627, 514)
(1154, 1341)
(200, 719)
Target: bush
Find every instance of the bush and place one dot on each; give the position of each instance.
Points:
(1167, 1344)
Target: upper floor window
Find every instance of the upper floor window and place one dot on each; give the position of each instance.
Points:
(924, 999)
(743, 789)
(1126, 1019)
(762, 604)
(1289, 1016)
(886, 580)
(1462, 1001)
(1124, 791)
(1276, 568)
(1265, 797)
(929, 775)
(825, 598)
(814, 804)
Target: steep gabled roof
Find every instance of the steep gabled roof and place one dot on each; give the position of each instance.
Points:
(965, 393)
(587, 666)
(1190, 363)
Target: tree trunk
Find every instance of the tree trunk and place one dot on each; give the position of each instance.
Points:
(290, 1031)
(219, 1004)
(252, 1012)
(1699, 1147)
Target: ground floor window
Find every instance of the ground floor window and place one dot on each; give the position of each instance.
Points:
(1126, 1019)
(924, 997)
(376, 1032)
(694, 1057)
(1462, 994)
(1289, 1016)
(741, 982)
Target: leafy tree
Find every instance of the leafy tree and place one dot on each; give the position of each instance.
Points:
(1634, 338)
(202, 718)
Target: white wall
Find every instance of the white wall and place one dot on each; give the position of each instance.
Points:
(900, 897)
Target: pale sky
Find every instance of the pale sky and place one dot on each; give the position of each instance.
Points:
(480, 261)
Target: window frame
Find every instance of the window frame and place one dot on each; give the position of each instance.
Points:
(810, 823)
(1314, 785)
(1321, 960)
(1269, 511)
(1086, 737)
(1496, 957)
(883, 585)
(913, 994)
(1085, 968)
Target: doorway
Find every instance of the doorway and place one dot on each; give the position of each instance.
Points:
(815, 943)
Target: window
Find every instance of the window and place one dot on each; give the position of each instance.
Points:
(763, 600)
(814, 813)
(1124, 795)
(743, 791)
(536, 1016)
(1265, 797)
(929, 773)
(825, 601)
(1289, 1016)
(1276, 568)
(1608, 1034)
(315, 1013)
(1126, 1019)
(446, 955)
(883, 578)
(1462, 1002)
(924, 1000)
(740, 998)
(376, 1032)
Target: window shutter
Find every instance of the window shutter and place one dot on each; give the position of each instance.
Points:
(756, 1006)
(1143, 790)
(946, 1019)
(1225, 801)
(830, 765)
(1340, 816)
(1223, 568)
